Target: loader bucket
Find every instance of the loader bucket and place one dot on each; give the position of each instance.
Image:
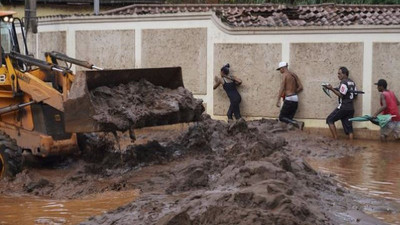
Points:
(79, 110)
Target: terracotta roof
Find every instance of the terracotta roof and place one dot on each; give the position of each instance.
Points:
(274, 15)
(163, 9)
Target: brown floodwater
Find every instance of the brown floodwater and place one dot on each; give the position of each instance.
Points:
(31, 210)
(375, 170)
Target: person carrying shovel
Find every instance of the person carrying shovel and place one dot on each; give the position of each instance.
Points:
(345, 110)
(389, 106)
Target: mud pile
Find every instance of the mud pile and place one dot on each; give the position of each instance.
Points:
(212, 173)
(140, 104)
(239, 173)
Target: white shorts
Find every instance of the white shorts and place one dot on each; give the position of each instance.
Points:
(292, 98)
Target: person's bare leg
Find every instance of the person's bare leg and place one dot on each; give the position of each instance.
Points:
(332, 128)
(383, 138)
(351, 136)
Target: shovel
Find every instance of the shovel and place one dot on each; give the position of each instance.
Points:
(327, 92)
(380, 120)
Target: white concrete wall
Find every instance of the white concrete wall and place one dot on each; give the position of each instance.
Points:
(217, 34)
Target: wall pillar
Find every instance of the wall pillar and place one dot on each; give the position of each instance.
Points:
(138, 48)
(367, 78)
(70, 48)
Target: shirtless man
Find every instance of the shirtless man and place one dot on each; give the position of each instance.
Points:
(290, 87)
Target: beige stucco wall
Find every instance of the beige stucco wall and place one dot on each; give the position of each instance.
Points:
(51, 41)
(255, 64)
(111, 49)
(201, 44)
(186, 48)
(315, 63)
(386, 65)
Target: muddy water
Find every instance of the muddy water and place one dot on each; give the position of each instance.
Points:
(31, 210)
(38, 210)
(375, 170)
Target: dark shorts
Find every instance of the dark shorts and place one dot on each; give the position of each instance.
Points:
(344, 116)
(288, 110)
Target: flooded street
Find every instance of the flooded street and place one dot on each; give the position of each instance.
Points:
(187, 175)
(34, 210)
(375, 170)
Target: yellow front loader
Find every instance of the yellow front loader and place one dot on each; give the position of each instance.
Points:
(38, 116)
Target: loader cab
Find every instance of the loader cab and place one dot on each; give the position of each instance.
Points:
(8, 34)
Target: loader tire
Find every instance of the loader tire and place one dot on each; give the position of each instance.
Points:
(10, 157)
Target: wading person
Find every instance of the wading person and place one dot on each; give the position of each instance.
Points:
(345, 110)
(229, 84)
(389, 105)
(289, 88)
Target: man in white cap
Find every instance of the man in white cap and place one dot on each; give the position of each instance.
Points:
(289, 88)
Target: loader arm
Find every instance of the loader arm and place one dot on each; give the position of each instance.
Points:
(53, 56)
(39, 90)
